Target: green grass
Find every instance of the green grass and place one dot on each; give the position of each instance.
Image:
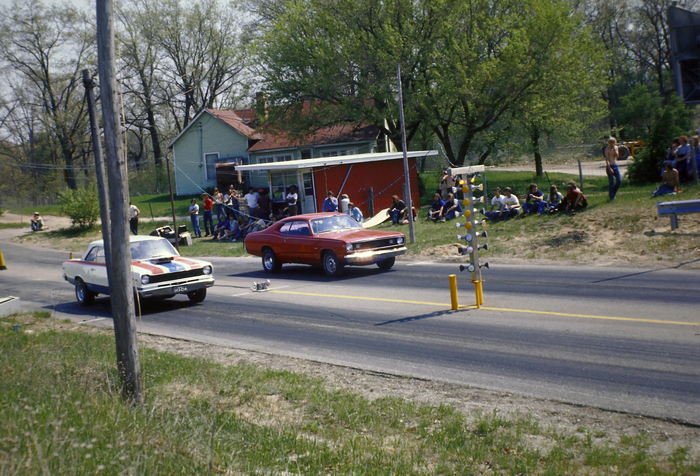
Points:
(60, 413)
(14, 225)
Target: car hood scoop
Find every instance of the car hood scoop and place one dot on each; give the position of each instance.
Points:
(161, 260)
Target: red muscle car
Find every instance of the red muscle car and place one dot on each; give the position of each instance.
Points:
(331, 240)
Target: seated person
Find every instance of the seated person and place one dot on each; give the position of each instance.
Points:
(670, 182)
(534, 201)
(555, 198)
(355, 212)
(497, 206)
(232, 231)
(37, 223)
(397, 211)
(511, 204)
(574, 200)
(221, 227)
(436, 207)
(451, 208)
(256, 225)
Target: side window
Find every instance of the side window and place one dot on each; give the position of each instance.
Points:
(299, 228)
(99, 254)
(285, 228)
(91, 254)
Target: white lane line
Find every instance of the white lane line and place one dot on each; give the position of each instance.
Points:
(93, 320)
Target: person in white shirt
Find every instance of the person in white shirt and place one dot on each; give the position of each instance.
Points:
(193, 210)
(497, 206)
(251, 199)
(511, 204)
(292, 198)
(134, 213)
(344, 200)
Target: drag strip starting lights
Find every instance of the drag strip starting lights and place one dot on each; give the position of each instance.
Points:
(473, 190)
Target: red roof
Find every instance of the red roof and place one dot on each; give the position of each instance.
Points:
(327, 135)
(235, 121)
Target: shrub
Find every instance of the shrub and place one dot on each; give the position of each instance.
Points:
(81, 205)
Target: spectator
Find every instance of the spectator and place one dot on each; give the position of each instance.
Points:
(670, 182)
(218, 198)
(534, 202)
(397, 211)
(497, 206)
(193, 210)
(221, 227)
(134, 213)
(208, 206)
(292, 199)
(696, 147)
(232, 229)
(511, 204)
(447, 183)
(574, 200)
(344, 200)
(264, 204)
(231, 200)
(612, 154)
(355, 212)
(555, 198)
(330, 204)
(251, 200)
(436, 207)
(36, 222)
(451, 208)
(683, 156)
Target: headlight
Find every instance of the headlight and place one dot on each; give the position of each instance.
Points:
(206, 270)
(399, 240)
(145, 279)
(348, 247)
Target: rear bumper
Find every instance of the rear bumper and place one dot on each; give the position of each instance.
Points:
(373, 256)
(168, 289)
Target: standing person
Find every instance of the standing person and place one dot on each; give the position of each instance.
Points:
(330, 204)
(614, 179)
(355, 212)
(36, 222)
(397, 211)
(208, 206)
(292, 199)
(134, 213)
(264, 204)
(193, 210)
(251, 199)
(218, 198)
(683, 156)
(344, 200)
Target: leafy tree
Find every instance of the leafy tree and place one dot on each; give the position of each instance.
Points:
(81, 205)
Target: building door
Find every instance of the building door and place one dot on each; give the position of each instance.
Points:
(307, 195)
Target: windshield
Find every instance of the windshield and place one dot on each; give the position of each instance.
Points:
(334, 223)
(152, 249)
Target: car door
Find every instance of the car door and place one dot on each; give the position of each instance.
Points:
(298, 242)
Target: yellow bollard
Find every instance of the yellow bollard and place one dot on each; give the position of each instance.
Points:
(480, 287)
(453, 292)
(477, 293)
(70, 255)
(2, 261)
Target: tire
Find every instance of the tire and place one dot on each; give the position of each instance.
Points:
(84, 296)
(198, 295)
(386, 263)
(270, 262)
(331, 264)
(624, 152)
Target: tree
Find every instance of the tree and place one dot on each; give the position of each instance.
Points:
(45, 48)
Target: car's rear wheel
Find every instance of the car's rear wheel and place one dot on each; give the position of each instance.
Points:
(331, 264)
(270, 262)
(386, 263)
(84, 296)
(198, 295)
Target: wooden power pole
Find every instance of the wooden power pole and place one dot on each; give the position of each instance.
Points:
(121, 286)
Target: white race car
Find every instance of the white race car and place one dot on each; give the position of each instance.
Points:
(157, 269)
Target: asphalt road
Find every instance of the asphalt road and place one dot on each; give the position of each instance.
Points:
(620, 339)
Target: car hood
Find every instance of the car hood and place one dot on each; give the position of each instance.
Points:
(162, 265)
(360, 235)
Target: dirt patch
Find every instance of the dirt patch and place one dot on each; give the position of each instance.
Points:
(572, 237)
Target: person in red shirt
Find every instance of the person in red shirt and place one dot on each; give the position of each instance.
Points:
(208, 219)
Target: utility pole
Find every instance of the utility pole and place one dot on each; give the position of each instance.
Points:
(121, 286)
(406, 173)
(102, 188)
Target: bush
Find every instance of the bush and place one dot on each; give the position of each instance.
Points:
(81, 205)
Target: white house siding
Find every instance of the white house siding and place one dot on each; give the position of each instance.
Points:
(207, 135)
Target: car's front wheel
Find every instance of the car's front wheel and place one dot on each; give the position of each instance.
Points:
(270, 262)
(331, 264)
(198, 295)
(386, 263)
(84, 296)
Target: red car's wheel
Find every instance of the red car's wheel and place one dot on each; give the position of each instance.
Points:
(270, 262)
(331, 264)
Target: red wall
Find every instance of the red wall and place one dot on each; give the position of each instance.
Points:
(385, 177)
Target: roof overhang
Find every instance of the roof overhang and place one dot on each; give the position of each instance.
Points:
(335, 160)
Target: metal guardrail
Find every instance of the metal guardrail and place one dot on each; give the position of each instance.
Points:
(673, 209)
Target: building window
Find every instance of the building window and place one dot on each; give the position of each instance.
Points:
(279, 182)
(337, 152)
(210, 161)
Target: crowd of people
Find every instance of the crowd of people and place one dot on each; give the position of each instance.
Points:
(535, 202)
(678, 166)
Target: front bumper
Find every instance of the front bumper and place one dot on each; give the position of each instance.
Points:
(179, 287)
(373, 256)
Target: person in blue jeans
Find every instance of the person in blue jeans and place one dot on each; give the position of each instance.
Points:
(451, 208)
(611, 168)
(193, 210)
(397, 212)
(534, 203)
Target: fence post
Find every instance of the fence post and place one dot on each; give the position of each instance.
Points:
(580, 174)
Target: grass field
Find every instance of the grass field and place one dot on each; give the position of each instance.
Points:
(60, 413)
